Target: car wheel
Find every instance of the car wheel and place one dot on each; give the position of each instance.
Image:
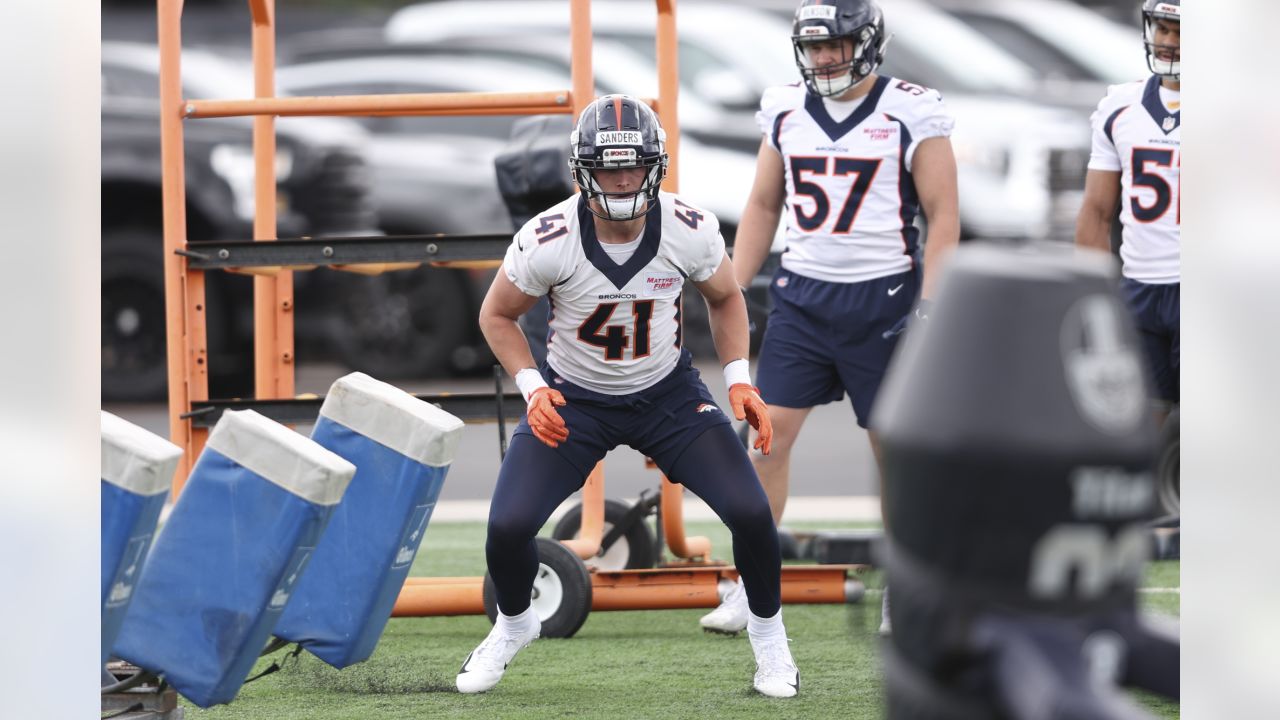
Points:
(134, 355)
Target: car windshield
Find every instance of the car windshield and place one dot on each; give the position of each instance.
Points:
(1111, 51)
(134, 72)
(944, 53)
(695, 60)
(443, 73)
(1038, 53)
(209, 77)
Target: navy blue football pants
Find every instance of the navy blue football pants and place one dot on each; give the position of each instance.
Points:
(535, 479)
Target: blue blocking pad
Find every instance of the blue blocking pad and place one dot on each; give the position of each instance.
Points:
(231, 554)
(137, 470)
(402, 448)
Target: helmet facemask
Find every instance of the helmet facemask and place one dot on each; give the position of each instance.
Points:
(620, 205)
(1168, 68)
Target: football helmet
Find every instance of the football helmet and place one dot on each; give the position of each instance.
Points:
(859, 21)
(1153, 10)
(617, 132)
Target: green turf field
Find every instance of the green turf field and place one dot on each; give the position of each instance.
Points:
(623, 665)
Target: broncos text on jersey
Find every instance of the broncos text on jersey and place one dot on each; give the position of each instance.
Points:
(614, 329)
(1135, 134)
(851, 199)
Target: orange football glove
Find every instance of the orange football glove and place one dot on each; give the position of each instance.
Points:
(746, 403)
(546, 423)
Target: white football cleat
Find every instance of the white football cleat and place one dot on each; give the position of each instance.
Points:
(484, 667)
(776, 673)
(886, 628)
(731, 617)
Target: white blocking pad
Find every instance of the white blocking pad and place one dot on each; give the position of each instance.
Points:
(402, 448)
(137, 471)
(234, 548)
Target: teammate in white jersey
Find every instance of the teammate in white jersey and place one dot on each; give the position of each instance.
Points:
(1136, 161)
(612, 262)
(849, 157)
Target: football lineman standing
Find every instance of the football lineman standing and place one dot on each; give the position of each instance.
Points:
(851, 156)
(1136, 161)
(612, 262)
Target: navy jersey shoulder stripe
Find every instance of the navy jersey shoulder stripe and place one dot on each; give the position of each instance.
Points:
(908, 200)
(1110, 123)
(777, 130)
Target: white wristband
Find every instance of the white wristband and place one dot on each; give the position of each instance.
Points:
(528, 380)
(737, 372)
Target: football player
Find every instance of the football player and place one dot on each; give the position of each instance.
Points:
(612, 261)
(850, 157)
(1136, 161)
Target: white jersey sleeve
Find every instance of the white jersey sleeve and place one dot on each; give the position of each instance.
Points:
(775, 104)
(925, 114)
(1103, 155)
(928, 117)
(534, 263)
(705, 245)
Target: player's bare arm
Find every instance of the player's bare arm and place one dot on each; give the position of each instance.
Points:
(727, 313)
(503, 305)
(760, 217)
(1101, 195)
(934, 169)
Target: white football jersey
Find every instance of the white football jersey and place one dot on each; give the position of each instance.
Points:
(1135, 134)
(615, 329)
(851, 199)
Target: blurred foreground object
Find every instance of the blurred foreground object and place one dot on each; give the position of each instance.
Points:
(1018, 456)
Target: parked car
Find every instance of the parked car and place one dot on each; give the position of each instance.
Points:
(617, 67)
(1075, 52)
(323, 190)
(1014, 155)
(436, 173)
(710, 36)
(1021, 160)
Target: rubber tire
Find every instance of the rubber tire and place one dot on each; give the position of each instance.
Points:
(134, 341)
(557, 564)
(1168, 482)
(639, 540)
(403, 324)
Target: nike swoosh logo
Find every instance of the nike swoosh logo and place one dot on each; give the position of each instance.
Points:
(894, 291)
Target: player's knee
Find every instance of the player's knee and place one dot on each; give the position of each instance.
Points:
(509, 529)
(751, 516)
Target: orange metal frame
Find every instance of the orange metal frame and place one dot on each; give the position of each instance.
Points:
(662, 589)
(273, 288)
(273, 293)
